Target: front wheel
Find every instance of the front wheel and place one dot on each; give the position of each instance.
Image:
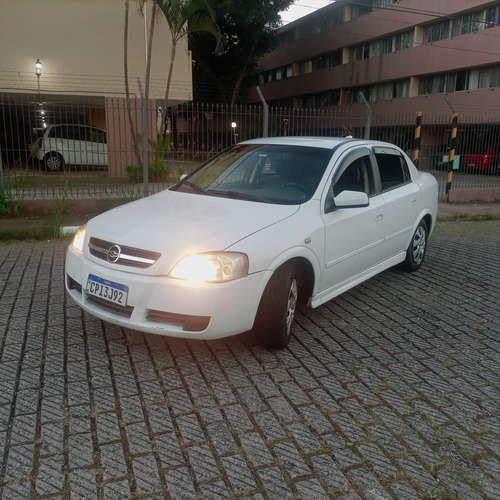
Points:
(277, 308)
(54, 162)
(416, 249)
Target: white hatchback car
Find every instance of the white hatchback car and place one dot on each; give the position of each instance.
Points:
(70, 144)
(267, 223)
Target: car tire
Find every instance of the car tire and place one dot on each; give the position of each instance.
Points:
(53, 162)
(277, 308)
(416, 249)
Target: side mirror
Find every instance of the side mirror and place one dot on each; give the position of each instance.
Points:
(351, 199)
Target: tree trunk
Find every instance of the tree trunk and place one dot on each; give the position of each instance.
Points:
(237, 86)
(135, 144)
(167, 91)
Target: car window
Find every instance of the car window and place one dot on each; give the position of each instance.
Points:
(393, 169)
(357, 176)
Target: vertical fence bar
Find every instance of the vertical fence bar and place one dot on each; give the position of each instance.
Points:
(418, 139)
(451, 159)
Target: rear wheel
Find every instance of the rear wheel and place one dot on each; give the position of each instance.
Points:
(54, 162)
(416, 249)
(277, 308)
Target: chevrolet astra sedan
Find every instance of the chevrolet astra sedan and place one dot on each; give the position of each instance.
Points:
(238, 243)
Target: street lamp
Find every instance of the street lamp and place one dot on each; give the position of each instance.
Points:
(233, 126)
(38, 72)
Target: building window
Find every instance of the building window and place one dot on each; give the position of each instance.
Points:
(354, 95)
(321, 23)
(492, 17)
(438, 31)
(478, 78)
(469, 23)
(324, 99)
(325, 61)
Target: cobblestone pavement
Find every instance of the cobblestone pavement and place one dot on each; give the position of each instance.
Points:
(390, 391)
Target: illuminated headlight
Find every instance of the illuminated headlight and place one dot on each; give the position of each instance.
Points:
(79, 238)
(211, 267)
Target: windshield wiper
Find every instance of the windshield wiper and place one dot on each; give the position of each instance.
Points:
(235, 195)
(197, 189)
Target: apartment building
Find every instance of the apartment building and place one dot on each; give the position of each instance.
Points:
(399, 55)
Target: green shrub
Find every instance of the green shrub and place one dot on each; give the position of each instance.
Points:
(158, 172)
(134, 173)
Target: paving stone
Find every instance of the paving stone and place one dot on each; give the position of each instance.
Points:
(112, 461)
(329, 473)
(368, 483)
(270, 426)
(291, 460)
(138, 438)
(169, 450)
(203, 463)
(215, 490)
(50, 477)
(237, 418)
(304, 438)
(146, 475)
(180, 484)
(190, 429)
(108, 427)
(316, 419)
(311, 489)
(239, 475)
(275, 484)
(381, 465)
(256, 449)
(417, 473)
(222, 438)
(403, 489)
(80, 451)
(117, 490)
(83, 484)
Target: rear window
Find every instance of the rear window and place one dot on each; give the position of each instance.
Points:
(393, 170)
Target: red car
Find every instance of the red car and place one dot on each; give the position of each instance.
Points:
(489, 162)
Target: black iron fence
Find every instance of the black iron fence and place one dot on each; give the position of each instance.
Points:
(76, 147)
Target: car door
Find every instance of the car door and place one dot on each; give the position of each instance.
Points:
(401, 197)
(354, 236)
(97, 151)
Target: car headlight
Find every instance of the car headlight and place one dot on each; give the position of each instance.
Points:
(216, 267)
(79, 238)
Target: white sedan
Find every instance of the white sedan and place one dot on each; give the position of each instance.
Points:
(238, 243)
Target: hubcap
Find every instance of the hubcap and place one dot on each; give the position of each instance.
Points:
(418, 246)
(53, 163)
(292, 304)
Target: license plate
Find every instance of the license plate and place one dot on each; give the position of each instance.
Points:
(107, 290)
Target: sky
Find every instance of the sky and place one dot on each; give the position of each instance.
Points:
(301, 8)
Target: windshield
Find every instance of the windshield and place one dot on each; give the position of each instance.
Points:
(281, 174)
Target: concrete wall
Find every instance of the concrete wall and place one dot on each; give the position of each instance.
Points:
(80, 44)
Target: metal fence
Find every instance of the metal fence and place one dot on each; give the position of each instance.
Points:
(75, 147)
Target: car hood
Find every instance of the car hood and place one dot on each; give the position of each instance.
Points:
(176, 223)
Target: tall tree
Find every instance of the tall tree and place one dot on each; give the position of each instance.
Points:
(137, 150)
(185, 19)
(248, 28)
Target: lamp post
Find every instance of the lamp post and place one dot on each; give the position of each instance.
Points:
(38, 73)
(233, 126)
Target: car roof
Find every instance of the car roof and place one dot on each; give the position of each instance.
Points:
(318, 142)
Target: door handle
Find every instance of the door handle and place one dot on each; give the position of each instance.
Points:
(379, 215)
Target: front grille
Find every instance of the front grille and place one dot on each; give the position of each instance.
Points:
(125, 311)
(128, 256)
(188, 323)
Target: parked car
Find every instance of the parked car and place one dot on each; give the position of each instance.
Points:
(238, 243)
(69, 144)
(486, 161)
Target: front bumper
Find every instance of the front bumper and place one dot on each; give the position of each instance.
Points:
(166, 306)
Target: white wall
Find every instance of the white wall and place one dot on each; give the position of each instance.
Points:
(80, 44)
